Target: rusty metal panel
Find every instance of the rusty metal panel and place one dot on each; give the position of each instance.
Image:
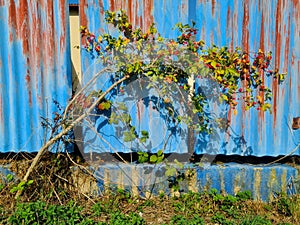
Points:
(251, 24)
(270, 26)
(34, 69)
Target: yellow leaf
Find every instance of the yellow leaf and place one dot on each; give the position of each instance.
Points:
(235, 112)
(225, 97)
(219, 78)
(259, 98)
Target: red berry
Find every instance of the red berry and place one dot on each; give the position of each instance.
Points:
(97, 48)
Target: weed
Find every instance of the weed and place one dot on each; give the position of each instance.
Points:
(123, 194)
(191, 208)
(284, 204)
(221, 219)
(41, 213)
(181, 220)
(244, 195)
(98, 209)
(256, 220)
(118, 218)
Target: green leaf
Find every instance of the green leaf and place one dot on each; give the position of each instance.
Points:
(129, 136)
(171, 172)
(126, 118)
(160, 159)
(113, 118)
(143, 139)
(233, 71)
(122, 106)
(9, 177)
(21, 184)
(105, 105)
(214, 64)
(30, 182)
(160, 152)
(149, 73)
(153, 158)
(266, 106)
(14, 189)
(145, 133)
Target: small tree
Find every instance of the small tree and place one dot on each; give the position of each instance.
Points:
(238, 77)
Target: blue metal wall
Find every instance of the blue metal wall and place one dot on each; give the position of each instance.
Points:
(73, 2)
(34, 63)
(34, 69)
(271, 25)
(265, 182)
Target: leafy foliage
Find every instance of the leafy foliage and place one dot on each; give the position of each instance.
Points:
(236, 71)
(122, 208)
(144, 157)
(41, 213)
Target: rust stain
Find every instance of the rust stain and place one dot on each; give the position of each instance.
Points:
(63, 17)
(277, 58)
(245, 35)
(230, 24)
(140, 109)
(262, 33)
(119, 5)
(213, 7)
(48, 34)
(132, 7)
(27, 78)
(20, 30)
(140, 22)
(287, 45)
(12, 19)
(130, 15)
(83, 17)
(112, 5)
(23, 25)
(148, 6)
(245, 43)
(261, 113)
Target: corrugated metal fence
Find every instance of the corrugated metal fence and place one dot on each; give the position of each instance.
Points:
(34, 69)
(251, 24)
(35, 66)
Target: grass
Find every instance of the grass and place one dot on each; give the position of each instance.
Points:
(189, 209)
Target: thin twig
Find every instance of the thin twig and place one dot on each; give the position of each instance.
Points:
(57, 196)
(289, 154)
(66, 130)
(88, 197)
(80, 166)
